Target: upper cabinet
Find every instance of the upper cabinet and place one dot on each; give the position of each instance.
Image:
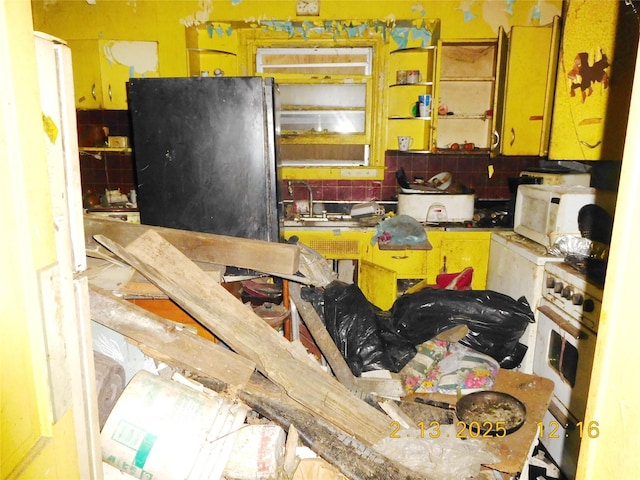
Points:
(102, 68)
(411, 75)
(529, 88)
(468, 99)
(212, 50)
(594, 81)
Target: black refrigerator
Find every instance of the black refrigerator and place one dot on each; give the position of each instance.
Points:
(205, 154)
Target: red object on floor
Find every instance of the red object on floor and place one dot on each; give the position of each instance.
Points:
(463, 283)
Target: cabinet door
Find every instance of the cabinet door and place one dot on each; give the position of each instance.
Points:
(529, 84)
(464, 250)
(378, 284)
(102, 68)
(593, 83)
(87, 83)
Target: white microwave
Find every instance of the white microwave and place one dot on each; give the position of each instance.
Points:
(543, 213)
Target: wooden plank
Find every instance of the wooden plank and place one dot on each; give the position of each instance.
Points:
(249, 335)
(322, 338)
(268, 257)
(163, 336)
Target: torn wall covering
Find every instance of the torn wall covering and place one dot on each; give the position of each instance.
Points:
(140, 57)
(403, 33)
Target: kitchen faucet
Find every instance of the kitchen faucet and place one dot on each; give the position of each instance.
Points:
(290, 184)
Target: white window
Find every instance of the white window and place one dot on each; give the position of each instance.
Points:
(325, 98)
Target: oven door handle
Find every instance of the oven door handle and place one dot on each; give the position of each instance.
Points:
(562, 323)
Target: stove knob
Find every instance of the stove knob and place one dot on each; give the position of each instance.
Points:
(566, 292)
(588, 305)
(577, 299)
(557, 287)
(550, 282)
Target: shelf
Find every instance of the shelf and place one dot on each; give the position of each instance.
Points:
(480, 116)
(413, 50)
(106, 149)
(467, 79)
(395, 117)
(409, 151)
(211, 50)
(419, 84)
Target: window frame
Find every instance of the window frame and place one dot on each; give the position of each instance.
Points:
(373, 135)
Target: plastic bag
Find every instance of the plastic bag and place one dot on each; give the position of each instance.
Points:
(495, 321)
(372, 339)
(400, 230)
(361, 331)
(437, 454)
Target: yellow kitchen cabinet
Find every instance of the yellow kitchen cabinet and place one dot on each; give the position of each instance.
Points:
(382, 272)
(101, 69)
(529, 87)
(455, 251)
(469, 92)
(411, 73)
(593, 83)
(212, 50)
(337, 244)
(378, 284)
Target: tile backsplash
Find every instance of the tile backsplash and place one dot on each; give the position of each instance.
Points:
(106, 170)
(471, 170)
(111, 170)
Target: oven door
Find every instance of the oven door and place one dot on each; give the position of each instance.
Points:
(564, 353)
(561, 434)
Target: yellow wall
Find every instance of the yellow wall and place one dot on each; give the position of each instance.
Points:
(165, 21)
(30, 442)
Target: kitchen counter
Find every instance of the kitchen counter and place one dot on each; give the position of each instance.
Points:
(513, 449)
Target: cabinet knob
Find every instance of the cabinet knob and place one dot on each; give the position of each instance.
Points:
(110, 94)
(93, 91)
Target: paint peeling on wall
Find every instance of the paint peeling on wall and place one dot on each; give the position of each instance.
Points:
(500, 13)
(465, 8)
(201, 16)
(140, 57)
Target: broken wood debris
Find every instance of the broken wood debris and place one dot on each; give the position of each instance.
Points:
(268, 257)
(247, 334)
(166, 340)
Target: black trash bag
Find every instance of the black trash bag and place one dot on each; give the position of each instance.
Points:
(361, 331)
(496, 321)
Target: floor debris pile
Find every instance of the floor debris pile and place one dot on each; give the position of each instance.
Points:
(318, 419)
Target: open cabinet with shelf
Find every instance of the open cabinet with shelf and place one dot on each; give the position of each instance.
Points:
(412, 73)
(211, 51)
(468, 81)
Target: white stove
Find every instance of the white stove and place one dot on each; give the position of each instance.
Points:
(568, 317)
(569, 290)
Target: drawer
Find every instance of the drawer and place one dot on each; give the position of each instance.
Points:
(406, 263)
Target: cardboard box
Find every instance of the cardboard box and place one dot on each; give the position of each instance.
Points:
(117, 142)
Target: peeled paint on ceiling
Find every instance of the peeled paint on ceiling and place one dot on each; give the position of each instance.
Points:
(140, 57)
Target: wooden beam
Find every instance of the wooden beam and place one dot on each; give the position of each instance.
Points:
(166, 338)
(322, 338)
(217, 368)
(249, 335)
(268, 257)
